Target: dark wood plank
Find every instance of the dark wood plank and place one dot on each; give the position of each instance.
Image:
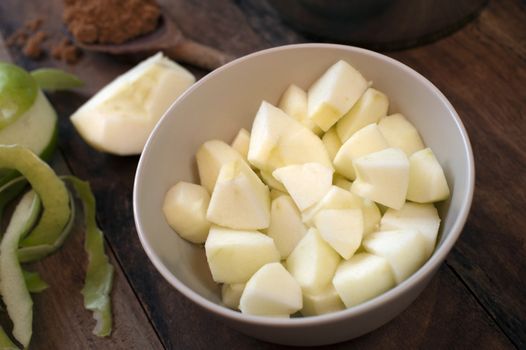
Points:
(60, 320)
(482, 70)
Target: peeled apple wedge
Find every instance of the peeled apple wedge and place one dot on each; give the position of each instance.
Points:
(312, 262)
(332, 142)
(341, 181)
(185, 206)
(382, 177)
(342, 229)
(286, 227)
(235, 255)
(306, 183)
(368, 109)
(367, 140)
(240, 200)
(276, 193)
(325, 301)
(231, 294)
(210, 157)
(271, 181)
(405, 250)
(421, 217)
(278, 140)
(120, 117)
(271, 291)
(241, 142)
(335, 198)
(400, 133)
(294, 103)
(362, 277)
(334, 93)
(427, 182)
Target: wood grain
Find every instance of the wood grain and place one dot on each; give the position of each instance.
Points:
(475, 301)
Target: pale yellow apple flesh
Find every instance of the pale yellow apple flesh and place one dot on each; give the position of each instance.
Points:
(400, 133)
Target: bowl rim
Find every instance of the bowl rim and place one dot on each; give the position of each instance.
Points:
(431, 265)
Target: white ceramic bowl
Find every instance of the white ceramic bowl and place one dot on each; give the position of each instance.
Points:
(227, 99)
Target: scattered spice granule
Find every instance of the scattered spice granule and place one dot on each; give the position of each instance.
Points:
(110, 21)
(34, 24)
(33, 46)
(65, 50)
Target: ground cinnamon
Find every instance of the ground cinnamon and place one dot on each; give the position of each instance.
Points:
(110, 21)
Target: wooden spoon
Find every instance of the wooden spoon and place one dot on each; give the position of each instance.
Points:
(169, 39)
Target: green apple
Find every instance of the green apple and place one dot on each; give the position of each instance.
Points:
(365, 141)
(235, 255)
(341, 228)
(306, 183)
(312, 262)
(400, 133)
(210, 157)
(185, 206)
(334, 93)
(18, 92)
(271, 291)
(405, 250)
(332, 142)
(294, 103)
(382, 177)
(241, 142)
(427, 182)
(286, 227)
(231, 294)
(278, 140)
(240, 200)
(421, 217)
(119, 118)
(322, 302)
(362, 277)
(368, 109)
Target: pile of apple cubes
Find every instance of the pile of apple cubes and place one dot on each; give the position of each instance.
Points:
(285, 229)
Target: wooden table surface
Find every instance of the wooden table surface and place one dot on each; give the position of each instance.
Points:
(476, 300)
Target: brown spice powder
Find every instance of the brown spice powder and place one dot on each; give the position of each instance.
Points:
(110, 21)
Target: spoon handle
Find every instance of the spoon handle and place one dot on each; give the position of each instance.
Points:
(197, 54)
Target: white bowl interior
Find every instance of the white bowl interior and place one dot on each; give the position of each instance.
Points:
(226, 100)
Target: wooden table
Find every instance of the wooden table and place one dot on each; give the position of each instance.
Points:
(478, 297)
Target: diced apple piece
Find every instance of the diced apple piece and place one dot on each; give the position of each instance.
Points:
(276, 193)
(241, 143)
(341, 181)
(362, 277)
(427, 182)
(341, 228)
(306, 183)
(286, 227)
(278, 140)
(404, 249)
(235, 255)
(231, 294)
(335, 198)
(400, 133)
(382, 177)
(371, 216)
(294, 103)
(271, 182)
(365, 141)
(334, 93)
(313, 262)
(332, 142)
(239, 200)
(211, 156)
(368, 109)
(325, 301)
(421, 217)
(184, 208)
(271, 291)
